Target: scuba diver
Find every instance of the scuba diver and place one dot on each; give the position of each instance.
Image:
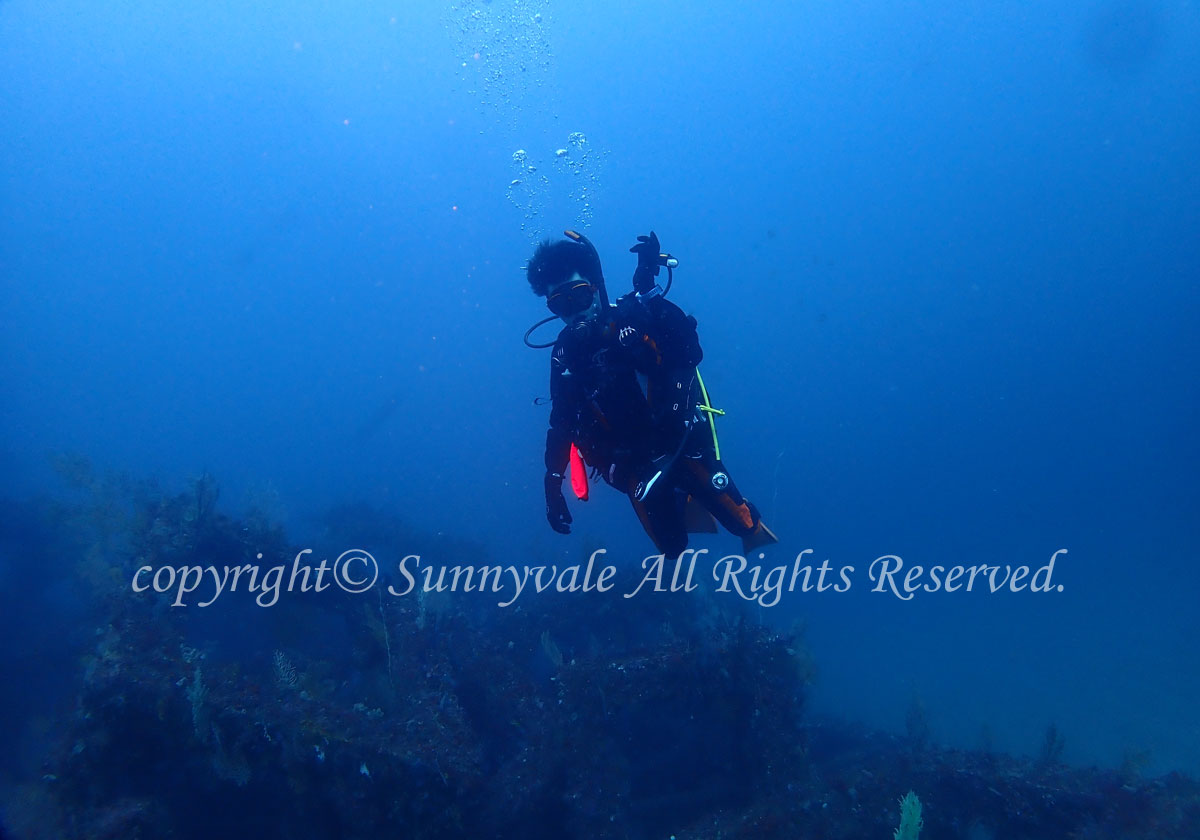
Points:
(658, 445)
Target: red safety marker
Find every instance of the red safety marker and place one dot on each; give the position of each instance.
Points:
(579, 482)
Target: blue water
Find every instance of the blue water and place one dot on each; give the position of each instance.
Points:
(943, 258)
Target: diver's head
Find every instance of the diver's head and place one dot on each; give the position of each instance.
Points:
(567, 273)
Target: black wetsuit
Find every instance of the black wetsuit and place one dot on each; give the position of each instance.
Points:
(599, 404)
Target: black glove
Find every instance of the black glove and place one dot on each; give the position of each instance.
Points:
(556, 506)
(648, 250)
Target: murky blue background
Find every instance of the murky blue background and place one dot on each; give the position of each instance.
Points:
(943, 256)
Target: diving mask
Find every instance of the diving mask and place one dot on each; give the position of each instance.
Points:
(571, 297)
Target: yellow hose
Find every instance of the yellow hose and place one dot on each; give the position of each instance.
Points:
(707, 407)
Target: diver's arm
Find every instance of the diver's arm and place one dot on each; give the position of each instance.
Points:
(675, 333)
(558, 445)
(673, 391)
(672, 407)
(558, 450)
(563, 411)
(670, 367)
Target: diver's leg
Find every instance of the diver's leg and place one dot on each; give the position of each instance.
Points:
(710, 483)
(663, 520)
(707, 481)
(704, 476)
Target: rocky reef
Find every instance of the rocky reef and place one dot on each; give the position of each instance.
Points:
(570, 715)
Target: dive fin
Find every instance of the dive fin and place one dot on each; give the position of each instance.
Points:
(759, 537)
(697, 519)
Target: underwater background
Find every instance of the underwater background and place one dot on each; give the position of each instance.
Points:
(945, 264)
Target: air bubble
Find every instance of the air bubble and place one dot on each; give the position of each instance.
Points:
(503, 50)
